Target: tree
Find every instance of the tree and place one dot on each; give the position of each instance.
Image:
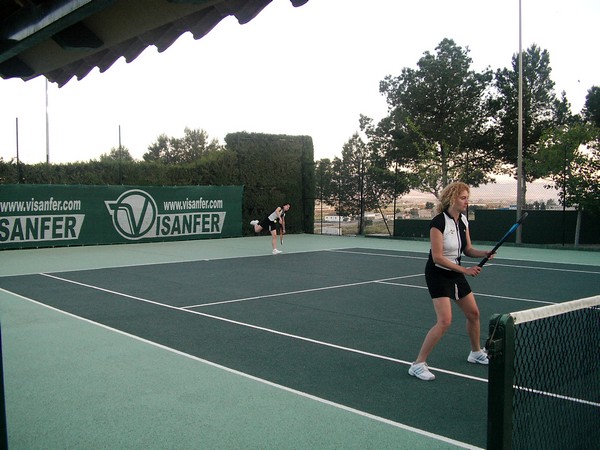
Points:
(189, 149)
(541, 112)
(160, 151)
(120, 154)
(591, 109)
(196, 143)
(350, 179)
(323, 181)
(387, 177)
(438, 119)
(571, 157)
(392, 148)
(359, 181)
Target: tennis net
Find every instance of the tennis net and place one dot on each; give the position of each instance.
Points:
(544, 377)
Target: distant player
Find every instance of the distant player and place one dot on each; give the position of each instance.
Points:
(272, 223)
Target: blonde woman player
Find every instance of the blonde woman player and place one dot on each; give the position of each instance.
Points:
(272, 223)
(445, 276)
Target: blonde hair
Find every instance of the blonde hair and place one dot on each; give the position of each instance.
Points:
(449, 194)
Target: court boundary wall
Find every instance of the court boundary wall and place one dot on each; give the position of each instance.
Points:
(541, 227)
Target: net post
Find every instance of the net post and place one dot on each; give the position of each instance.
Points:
(501, 352)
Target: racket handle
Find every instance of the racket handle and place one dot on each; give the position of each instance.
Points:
(487, 258)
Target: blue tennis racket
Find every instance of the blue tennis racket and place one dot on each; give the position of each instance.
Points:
(504, 238)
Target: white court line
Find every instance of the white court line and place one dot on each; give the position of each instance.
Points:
(379, 254)
(558, 396)
(302, 291)
(268, 330)
(305, 339)
(518, 299)
(166, 262)
(402, 285)
(257, 379)
(489, 264)
(552, 269)
(477, 294)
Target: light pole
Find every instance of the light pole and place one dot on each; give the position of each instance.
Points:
(17, 143)
(120, 157)
(47, 128)
(520, 133)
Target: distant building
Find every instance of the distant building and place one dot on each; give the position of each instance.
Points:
(426, 213)
(336, 219)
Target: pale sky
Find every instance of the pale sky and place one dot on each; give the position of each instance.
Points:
(310, 71)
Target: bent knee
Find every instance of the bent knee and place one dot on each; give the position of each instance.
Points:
(444, 323)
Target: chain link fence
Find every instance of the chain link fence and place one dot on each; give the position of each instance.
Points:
(540, 195)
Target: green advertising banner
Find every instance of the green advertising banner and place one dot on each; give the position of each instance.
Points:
(53, 216)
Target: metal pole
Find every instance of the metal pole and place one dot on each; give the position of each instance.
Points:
(564, 211)
(17, 143)
(321, 200)
(520, 134)
(395, 195)
(120, 156)
(47, 128)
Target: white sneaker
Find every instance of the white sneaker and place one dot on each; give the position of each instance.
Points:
(421, 371)
(479, 357)
(254, 223)
(276, 252)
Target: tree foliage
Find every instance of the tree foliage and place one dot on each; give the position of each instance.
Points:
(121, 154)
(571, 157)
(350, 180)
(188, 149)
(360, 180)
(541, 112)
(591, 109)
(438, 120)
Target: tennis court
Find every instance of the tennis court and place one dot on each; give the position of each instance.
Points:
(219, 344)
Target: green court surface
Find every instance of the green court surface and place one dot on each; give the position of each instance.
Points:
(219, 344)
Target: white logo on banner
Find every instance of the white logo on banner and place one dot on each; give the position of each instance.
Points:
(135, 216)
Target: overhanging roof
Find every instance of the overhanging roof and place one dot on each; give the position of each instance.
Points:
(62, 39)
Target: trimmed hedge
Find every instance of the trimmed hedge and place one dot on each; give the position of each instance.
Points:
(272, 168)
